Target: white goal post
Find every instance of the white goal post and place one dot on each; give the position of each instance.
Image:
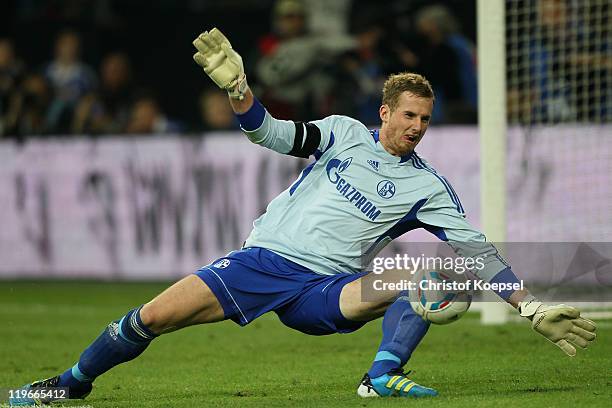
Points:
(492, 129)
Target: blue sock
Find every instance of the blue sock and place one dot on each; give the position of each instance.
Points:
(403, 330)
(121, 341)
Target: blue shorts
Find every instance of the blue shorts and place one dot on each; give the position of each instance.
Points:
(254, 281)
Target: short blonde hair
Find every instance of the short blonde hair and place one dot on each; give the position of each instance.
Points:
(396, 84)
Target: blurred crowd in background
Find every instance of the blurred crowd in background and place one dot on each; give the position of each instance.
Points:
(97, 67)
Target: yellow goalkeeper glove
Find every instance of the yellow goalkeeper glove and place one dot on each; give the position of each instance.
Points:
(560, 324)
(221, 63)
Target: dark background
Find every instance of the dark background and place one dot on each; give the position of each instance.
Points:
(157, 34)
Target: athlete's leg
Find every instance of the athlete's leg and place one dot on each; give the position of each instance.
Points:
(337, 304)
(402, 329)
(354, 305)
(189, 301)
(240, 286)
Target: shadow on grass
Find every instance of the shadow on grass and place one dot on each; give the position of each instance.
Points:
(526, 390)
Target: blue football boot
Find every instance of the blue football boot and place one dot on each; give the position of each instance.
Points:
(395, 383)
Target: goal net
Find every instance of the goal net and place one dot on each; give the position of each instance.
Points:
(559, 116)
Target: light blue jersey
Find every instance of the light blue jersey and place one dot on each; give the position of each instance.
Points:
(355, 198)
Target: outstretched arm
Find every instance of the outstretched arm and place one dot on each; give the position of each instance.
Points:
(224, 66)
(560, 324)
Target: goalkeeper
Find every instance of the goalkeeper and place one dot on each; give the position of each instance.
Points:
(303, 257)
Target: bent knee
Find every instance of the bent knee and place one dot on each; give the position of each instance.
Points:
(364, 311)
(154, 317)
(353, 307)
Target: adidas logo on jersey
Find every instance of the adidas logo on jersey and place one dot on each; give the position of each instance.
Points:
(374, 164)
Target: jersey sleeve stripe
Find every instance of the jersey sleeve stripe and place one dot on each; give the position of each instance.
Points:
(455, 193)
(419, 164)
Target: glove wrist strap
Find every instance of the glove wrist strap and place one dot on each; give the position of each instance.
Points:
(238, 91)
(529, 306)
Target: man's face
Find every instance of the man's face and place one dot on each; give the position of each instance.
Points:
(67, 47)
(404, 128)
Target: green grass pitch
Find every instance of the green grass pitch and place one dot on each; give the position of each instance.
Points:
(44, 326)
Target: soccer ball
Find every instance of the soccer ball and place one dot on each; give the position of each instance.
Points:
(440, 297)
